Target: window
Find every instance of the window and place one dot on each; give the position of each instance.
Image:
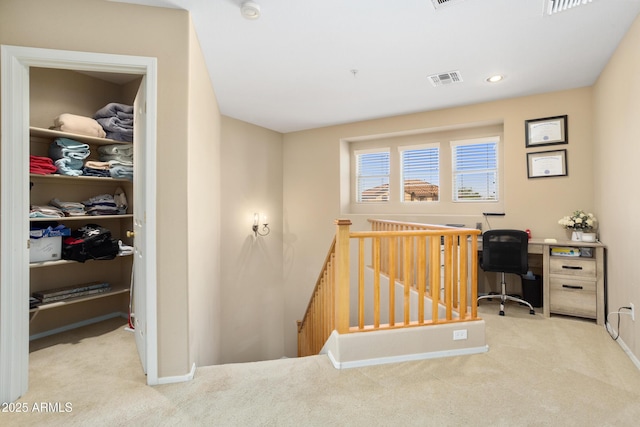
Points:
(475, 170)
(420, 168)
(372, 175)
(443, 174)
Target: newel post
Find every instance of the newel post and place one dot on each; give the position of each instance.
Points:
(342, 275)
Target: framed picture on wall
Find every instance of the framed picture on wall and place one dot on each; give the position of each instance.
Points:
(545, 164)
(546, 131)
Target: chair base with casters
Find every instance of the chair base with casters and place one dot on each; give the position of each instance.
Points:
(504, 297)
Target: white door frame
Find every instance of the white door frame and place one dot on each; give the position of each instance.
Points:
(14, 225)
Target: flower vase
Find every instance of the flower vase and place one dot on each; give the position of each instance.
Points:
(576, 236)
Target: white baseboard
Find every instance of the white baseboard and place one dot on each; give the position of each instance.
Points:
(405, 357)
(178, 378)
(77, 325)
(625, 348)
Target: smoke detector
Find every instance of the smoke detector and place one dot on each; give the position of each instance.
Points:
(443, 79)
(250, 10)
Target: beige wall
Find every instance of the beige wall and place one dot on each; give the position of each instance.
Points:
(106, 27)
(203, 212)
(252, 275)
(617, 150)
(313, 178)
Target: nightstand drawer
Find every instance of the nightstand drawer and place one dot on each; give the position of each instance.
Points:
(573, 297)
(581, 267)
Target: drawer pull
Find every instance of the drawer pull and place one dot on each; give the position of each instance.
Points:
(572, 267)
(572, 287)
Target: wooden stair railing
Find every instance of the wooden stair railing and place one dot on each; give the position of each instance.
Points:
(435, 261)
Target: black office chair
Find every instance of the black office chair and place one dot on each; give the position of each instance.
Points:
(505, 251)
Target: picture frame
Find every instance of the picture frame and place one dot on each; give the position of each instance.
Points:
(546, 131)
(545, 164)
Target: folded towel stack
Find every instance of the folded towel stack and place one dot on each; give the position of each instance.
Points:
(103, 204)
(68, 155)
(117, 121)
(120, 158)
(45, 212)
(96, 168)
(78, 124)
(41, 165)
(69, 208)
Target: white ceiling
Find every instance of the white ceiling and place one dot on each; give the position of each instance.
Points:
(291, 69)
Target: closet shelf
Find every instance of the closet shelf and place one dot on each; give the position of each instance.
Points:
(77, 179)
(61, 262)
(82, 218)
(50, 133)
(117, 291)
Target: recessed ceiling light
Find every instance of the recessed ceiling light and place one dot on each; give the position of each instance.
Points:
(495, 79)
(250, 10)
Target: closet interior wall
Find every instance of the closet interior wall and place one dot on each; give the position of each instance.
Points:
(53, 92)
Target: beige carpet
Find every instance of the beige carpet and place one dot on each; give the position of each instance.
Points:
(538, 372)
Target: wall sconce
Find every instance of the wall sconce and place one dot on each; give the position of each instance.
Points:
(256, 225)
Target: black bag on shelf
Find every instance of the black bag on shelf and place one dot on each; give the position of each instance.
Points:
(90, 242)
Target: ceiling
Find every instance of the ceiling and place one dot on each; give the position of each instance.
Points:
(306, 64)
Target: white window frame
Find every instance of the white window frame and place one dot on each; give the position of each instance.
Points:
(455, 173)
(401, 150)
(444, 210)
(356, 154)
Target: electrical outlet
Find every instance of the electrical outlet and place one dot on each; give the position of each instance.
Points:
(633, 312)
(460, 334)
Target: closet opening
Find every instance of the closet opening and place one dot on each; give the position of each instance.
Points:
(41, 89)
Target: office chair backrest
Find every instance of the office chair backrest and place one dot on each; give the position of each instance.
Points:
(505, 251)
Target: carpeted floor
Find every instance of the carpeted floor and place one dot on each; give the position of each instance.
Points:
(537, 372)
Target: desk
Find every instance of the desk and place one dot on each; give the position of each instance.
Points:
(571, 285)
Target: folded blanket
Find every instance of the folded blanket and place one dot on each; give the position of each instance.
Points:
(116, 129)
(116, 149)
(65, 147)
(122, 172)
(69, 208)
(117, 121)
(115, 109)
(96, 172)
(78, 124)
(67, 166)
(45, 212)
(41, 165)
(93, 164)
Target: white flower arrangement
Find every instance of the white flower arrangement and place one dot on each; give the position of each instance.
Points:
(579, 220)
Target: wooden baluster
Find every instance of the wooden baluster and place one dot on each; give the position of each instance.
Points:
(422, 276)
(435, 277)
(361, 283)
(448, 275)
(455, 279)
(393, 246)
(323, 313)
(474, 277)
(332, 295)
(342, 275)
(464, 276)
(376, 282)
(407, 279)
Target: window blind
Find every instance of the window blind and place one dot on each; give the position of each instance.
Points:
(420, 174)
(475, 171)
(372, 169)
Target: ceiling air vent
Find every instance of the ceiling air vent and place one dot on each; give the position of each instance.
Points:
(440, 3)
(443, 79)
(555, 6)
